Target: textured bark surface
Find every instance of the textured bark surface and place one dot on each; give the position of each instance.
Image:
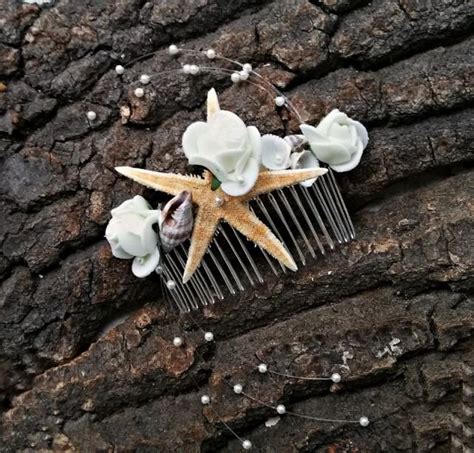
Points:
(392, 312)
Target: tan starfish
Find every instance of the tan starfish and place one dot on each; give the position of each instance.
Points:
(233, 210)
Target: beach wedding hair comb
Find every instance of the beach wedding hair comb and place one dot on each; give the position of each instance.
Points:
(256, 203)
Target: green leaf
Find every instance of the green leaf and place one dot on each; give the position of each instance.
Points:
(215, 184)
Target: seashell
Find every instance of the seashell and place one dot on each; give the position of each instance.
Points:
(176, 221)
(296, 141)
(275, 152)
(304, 160)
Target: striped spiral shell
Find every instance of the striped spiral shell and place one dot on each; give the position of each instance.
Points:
(296, 141)
(176, 221)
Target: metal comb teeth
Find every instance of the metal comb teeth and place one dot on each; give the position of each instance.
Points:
(308, 221)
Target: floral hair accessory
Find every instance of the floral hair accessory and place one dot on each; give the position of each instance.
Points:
(240, 166)
(257, 199)
(131, 235)
(337, 140)
(226, 147)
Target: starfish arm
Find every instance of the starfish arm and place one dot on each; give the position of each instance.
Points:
(243, 220)
(272, 180)
(205, 226)
(170, 183)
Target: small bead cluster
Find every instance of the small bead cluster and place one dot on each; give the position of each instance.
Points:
(192, 69)
(241, 76)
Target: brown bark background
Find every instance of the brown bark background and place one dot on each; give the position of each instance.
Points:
(73, 380)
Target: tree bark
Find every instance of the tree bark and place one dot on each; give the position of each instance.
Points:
(86, 355)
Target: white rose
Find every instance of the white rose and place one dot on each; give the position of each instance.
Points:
(131, 235)
(337, 140)
(226, 147)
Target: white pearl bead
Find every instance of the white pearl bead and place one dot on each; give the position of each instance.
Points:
(178, 341)
(262, 368)
(91, 116)
(235, 77)
(119, 69)
(194, 69)
(219, 201)
(209, 336)
(210, 53)
(144, 78)
(336, 377)
(281, 409)
(173, 49)
(187, 69)
(246, 445)
(139, 92)
(364, 421)
(238, 388)
(159, 269)
(171, 284)
(280, 101)
(205, 399)
(247, 67)
(243, 75)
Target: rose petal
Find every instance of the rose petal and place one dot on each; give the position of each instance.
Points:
(130, 227)
(227, 121)
(231, 160)
(333, 116)
(210, 147)
(140, 204)
(145, 265)
(229, 129)
(190, 137)
(149, 236)
(111, 234)
(275, 152)
(341, 133)
(242, 162)
(362, 133)
(332, 153)
(250, 175)
(211, 165)
(126, 206)
(310, 132)
(255, 142)
(352, 163)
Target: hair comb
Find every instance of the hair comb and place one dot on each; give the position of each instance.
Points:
(259, 203)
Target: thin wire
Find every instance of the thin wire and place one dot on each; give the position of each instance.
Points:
(288, 103)
(269, 405)
(318, 419)
(197, 384)
(299, 378)
(238, 63)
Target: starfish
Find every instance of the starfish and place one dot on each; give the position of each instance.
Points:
(215, 206)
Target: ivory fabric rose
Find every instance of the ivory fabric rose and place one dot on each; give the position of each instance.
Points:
(130, 234)
(226, 147)
(338, 140)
